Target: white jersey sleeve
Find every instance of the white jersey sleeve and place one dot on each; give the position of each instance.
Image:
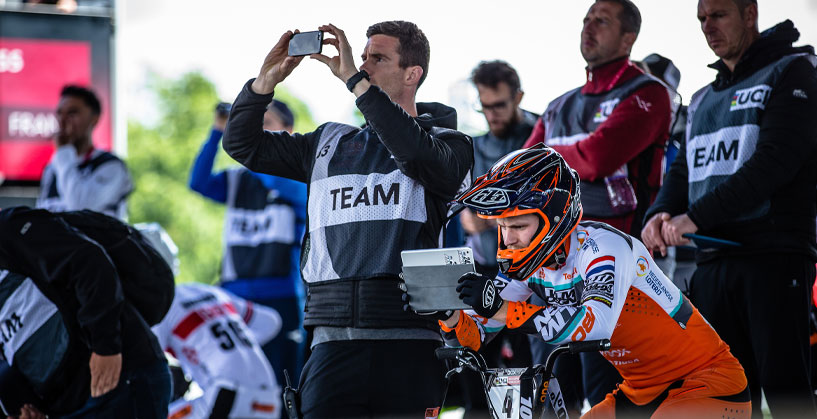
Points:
(606, 263)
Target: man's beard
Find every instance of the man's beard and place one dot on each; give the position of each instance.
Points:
(505, 130)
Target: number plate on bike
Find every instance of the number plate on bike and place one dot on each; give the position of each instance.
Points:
(504, 392)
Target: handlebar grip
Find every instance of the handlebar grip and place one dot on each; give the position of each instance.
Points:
(447, 353)
(589, 346)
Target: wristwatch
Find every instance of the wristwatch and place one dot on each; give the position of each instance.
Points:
(354, 80)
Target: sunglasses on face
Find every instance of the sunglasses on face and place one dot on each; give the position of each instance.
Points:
(494, 107)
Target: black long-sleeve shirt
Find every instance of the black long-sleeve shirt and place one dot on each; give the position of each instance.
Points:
(41, 245)
(782, 170)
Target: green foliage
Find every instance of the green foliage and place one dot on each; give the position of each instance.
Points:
(160, 159)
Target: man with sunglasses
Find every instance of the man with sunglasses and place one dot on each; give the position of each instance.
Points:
(500, 93)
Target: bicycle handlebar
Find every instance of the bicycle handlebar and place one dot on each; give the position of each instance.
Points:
(449, 353)
(468, 358)
(589, 346)
(572, 347)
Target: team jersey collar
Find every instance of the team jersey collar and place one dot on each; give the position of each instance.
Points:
(606, 76)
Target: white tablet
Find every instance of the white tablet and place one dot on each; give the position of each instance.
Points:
(431, 277)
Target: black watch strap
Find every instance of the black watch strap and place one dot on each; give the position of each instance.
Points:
(354, 80)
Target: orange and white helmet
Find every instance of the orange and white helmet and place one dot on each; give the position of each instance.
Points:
(535, 180)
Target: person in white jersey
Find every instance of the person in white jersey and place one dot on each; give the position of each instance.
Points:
(217, 337)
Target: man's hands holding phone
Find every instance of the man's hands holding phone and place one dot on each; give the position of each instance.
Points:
(278, 65)
(343, 65)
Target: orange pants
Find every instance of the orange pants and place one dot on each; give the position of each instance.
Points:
(717, 391)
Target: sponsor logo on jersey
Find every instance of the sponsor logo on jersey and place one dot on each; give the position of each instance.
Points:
(642, 266)
(627, 362)
(619, 356)
(753, 97)
(489, 198)
(580, 236)
(586, 326)
(617, 353)
(559, 297)
(605, 109)
(643, 104)
(799, 93)
(589, 243)
(657, 286)
(599, 287)
(347, 197)
(570, 276)
(600, 265)
(548, 325)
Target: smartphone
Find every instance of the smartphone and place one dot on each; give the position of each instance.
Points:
(306, 43)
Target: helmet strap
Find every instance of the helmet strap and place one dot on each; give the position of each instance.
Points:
(560, 257)
(557, 259)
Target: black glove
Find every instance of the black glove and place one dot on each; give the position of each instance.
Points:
(480, 292)
(436, 315)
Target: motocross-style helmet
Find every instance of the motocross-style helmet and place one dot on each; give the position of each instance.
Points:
(535, 180)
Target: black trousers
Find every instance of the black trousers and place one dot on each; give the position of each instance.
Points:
(760, 308)
(372, 379)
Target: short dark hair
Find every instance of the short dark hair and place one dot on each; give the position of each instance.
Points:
(85, 94)
(743, 4)
(282, 111)
(629, 16)
(413, 48)
(491, 73)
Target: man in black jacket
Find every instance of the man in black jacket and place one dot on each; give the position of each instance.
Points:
(747, 174)
(373, 192)
(80, 346)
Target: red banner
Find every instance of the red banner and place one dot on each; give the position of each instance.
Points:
(32, 73)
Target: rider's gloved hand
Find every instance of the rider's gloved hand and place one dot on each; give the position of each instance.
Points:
(480, 292)
(436, 315)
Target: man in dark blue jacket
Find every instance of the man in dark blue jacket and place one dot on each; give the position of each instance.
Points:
(264, 225)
